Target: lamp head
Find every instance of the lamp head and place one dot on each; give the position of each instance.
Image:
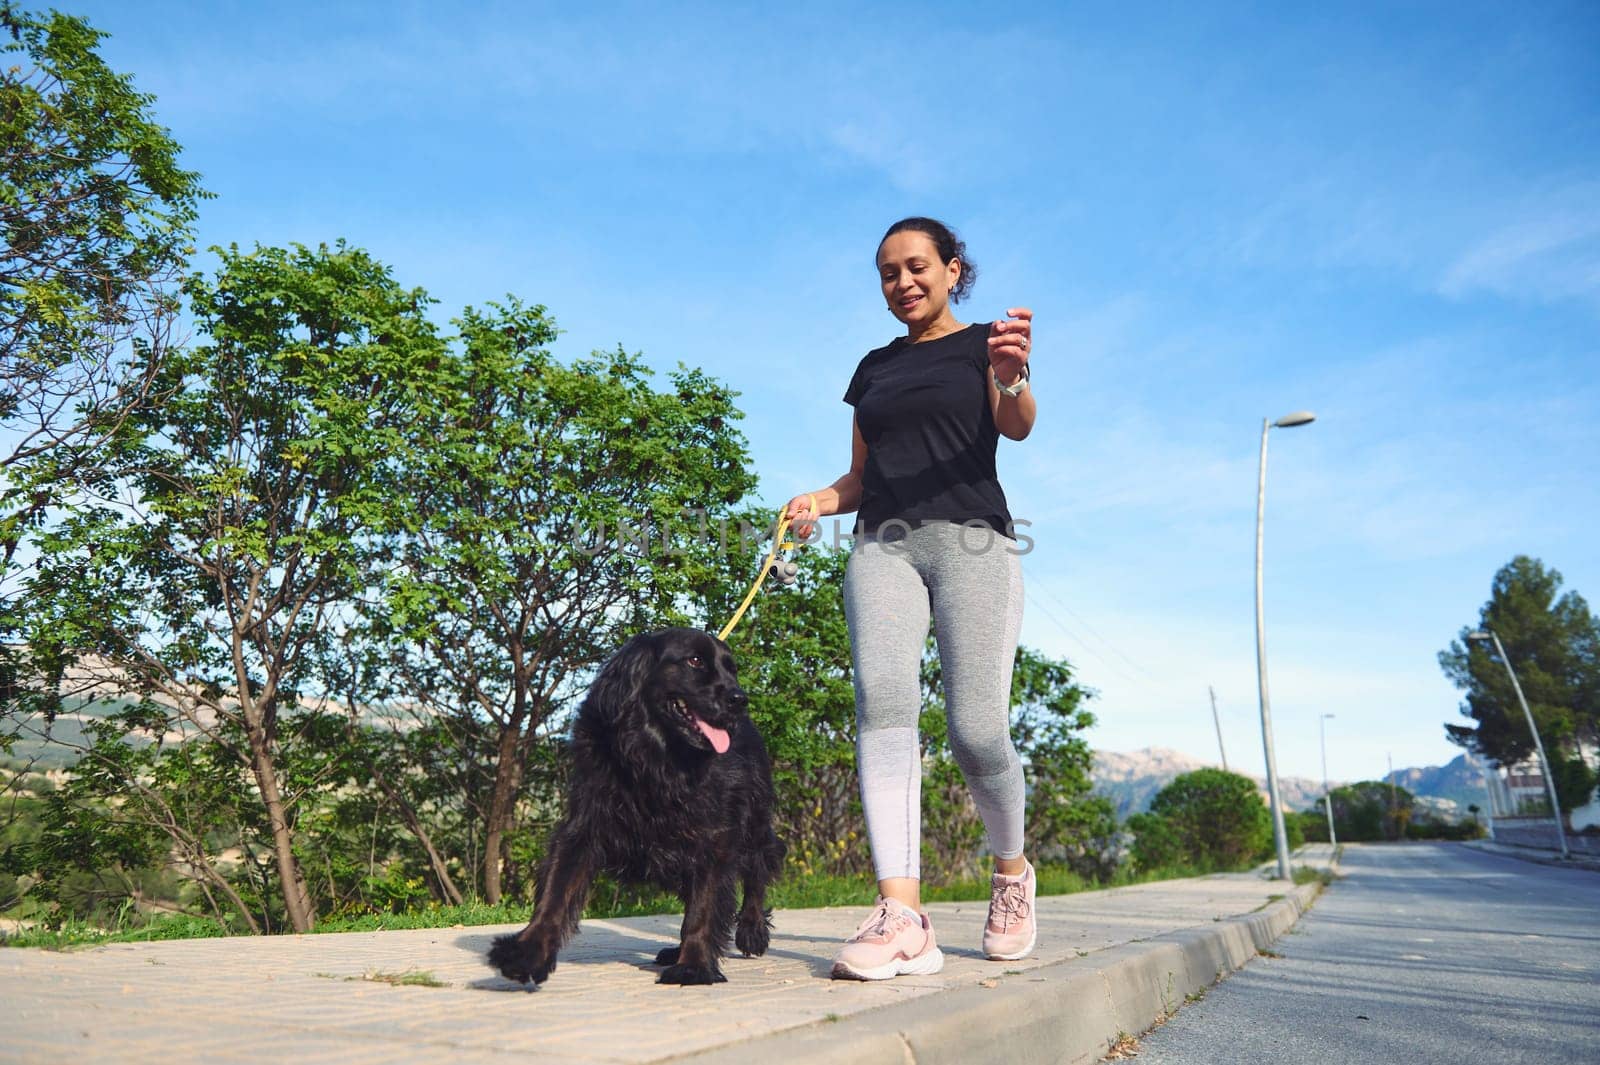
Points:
(1299, 417)
(1479, 636)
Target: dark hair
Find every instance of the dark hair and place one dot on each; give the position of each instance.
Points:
(947, 244)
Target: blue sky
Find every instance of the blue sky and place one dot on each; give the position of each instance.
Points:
(1387, 213)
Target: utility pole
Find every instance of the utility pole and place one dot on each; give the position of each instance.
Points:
(1327, 793)
(1394, 800)
(1215, 720)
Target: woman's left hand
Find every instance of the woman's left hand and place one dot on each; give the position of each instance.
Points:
(1010, 342)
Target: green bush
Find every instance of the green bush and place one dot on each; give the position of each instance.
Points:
(1294, 830)
(1371, 811)
(1155, 842)
(1209, 819)
(1438, 828)
(1312, 824)
(1575, 781)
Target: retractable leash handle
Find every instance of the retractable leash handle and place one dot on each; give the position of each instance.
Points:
(785, 569)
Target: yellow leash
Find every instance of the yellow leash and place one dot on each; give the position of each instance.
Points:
(778, 544)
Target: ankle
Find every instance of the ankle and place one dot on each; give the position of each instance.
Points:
(907, 891)
(1017, 866)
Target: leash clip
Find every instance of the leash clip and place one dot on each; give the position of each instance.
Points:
(782, 567)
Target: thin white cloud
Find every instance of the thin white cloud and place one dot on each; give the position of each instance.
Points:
(1550, 254)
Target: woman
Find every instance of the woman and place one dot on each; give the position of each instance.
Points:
(933, 536)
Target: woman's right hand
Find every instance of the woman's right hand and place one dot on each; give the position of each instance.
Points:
(800, 514)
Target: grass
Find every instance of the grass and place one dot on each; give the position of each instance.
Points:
(1270, 900)
(474, 912)
(409, 978)
(1305, 874)
(76, 933)
(1122, 1048)
(608, 900)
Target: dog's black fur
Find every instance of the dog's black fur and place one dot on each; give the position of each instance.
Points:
(650, 801)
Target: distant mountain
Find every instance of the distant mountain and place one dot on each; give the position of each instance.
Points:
(1132, 779)
(1455, 785)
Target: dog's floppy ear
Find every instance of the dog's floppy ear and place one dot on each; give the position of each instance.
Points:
(619, 689)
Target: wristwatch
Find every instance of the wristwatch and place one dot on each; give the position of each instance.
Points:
(1012, 390)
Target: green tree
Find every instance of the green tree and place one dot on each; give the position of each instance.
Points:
(1156, 842)
(1371, 811)
(542, 526)
(95, 220)
(1207, 819)
(138, 828)
(95, 216)
(1575, 781)
(139, 824)
(1310, 825)
(221, 544)
(1554, 645)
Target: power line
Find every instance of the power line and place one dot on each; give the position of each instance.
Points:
(1113, 648)
(1075, 638)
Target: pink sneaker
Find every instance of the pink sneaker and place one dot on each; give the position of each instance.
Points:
(894, 940)
(1012, 929)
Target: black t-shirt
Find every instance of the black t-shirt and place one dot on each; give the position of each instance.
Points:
(923, 410)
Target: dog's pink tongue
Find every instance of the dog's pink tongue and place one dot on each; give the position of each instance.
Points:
(717, 736)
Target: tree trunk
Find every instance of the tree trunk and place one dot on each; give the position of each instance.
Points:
(506, 780)
(295, 898)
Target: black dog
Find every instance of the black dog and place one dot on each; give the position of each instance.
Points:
(671, 785)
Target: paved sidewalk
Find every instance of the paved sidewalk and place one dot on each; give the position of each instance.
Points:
(1107, 961)
(1541, 855)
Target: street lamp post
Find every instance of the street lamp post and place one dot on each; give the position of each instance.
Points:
(1288, 421)
(1327, 795)
(1488, 634)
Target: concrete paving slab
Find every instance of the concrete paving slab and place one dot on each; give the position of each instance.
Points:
(1107, 961)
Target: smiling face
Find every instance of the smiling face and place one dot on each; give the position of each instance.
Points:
(916, 284)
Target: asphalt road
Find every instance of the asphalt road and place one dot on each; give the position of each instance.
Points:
(1425, 952)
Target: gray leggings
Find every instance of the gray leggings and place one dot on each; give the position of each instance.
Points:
(971, 581)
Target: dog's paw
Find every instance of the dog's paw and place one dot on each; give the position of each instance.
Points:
(692, 974)
(521, 961)
(754, 933)
(668, 956)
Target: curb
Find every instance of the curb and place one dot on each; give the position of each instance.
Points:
(1070, 1011)
(1535, 855)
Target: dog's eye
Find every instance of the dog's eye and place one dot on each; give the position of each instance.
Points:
(696, 661)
